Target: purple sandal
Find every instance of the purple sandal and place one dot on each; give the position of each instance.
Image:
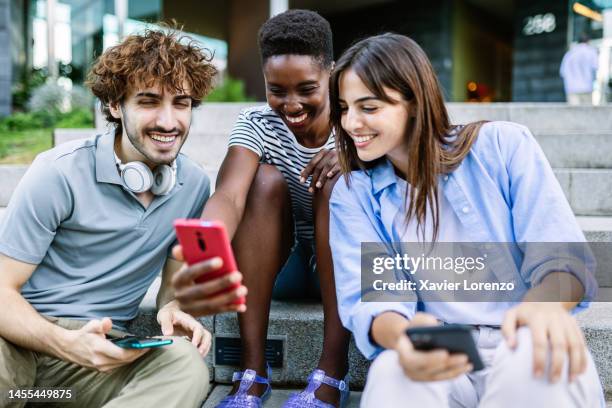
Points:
(307, 399)
(243, 400)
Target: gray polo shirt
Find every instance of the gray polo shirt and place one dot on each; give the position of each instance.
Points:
(97, 249)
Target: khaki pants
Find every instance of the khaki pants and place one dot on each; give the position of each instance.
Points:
(170, 376)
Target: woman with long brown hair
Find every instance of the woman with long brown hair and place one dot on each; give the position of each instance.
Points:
(411, 176)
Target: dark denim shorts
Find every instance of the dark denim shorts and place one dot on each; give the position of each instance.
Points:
(298, 278)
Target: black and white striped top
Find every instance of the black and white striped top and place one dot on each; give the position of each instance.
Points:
(261, 130)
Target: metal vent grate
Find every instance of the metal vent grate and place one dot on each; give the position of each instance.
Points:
(227, 351)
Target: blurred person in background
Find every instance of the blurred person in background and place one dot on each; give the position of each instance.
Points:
(578, 70)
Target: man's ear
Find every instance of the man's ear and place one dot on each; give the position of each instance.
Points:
(115, 109)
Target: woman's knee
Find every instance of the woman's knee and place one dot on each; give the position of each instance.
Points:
(519, 362)
(512, 378)
(269, 185)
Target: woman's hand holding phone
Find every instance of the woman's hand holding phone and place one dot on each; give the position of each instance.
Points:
(434, 365)
(218, 295)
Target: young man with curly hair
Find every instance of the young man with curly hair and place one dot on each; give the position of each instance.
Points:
(90, 227)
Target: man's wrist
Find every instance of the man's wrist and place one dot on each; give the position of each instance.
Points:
(60, 340)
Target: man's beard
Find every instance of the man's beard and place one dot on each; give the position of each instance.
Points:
(140, 147)
(139, 144)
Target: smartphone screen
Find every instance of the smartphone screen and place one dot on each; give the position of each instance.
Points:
(137, 342)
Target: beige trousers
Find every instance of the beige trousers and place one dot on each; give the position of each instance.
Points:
(170, 376)
(506, 382)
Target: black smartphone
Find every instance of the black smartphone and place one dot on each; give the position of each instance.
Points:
(456, 338)
(140, 342)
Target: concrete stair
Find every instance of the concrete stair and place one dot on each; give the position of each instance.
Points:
(575, 149)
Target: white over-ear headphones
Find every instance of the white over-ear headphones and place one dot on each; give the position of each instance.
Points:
(137, 177)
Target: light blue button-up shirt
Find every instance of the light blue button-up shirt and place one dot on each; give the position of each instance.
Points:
(503, 191)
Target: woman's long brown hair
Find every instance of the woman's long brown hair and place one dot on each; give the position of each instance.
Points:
(395, 61)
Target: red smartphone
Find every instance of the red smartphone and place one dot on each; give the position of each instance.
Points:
(202, 240)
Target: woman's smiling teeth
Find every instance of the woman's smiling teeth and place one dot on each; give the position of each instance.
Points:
(362, 139)
(296, 119)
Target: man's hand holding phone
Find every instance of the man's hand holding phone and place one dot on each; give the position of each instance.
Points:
(432, 365)
(88, 347)
(217, 295)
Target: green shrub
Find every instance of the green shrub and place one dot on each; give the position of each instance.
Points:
(230, 90)
(24, 121)
(77, 118)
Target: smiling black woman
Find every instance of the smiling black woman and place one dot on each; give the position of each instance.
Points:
(272, 193)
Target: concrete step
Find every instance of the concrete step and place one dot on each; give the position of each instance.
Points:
(10, 175)
(596, 229)
(551, 118)
(277, 398)
(596, 323)
(574, 149)
(589, 191)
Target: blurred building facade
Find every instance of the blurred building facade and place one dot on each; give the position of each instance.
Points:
(482, 50)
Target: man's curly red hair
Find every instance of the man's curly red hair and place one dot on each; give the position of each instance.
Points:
(155, 57)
